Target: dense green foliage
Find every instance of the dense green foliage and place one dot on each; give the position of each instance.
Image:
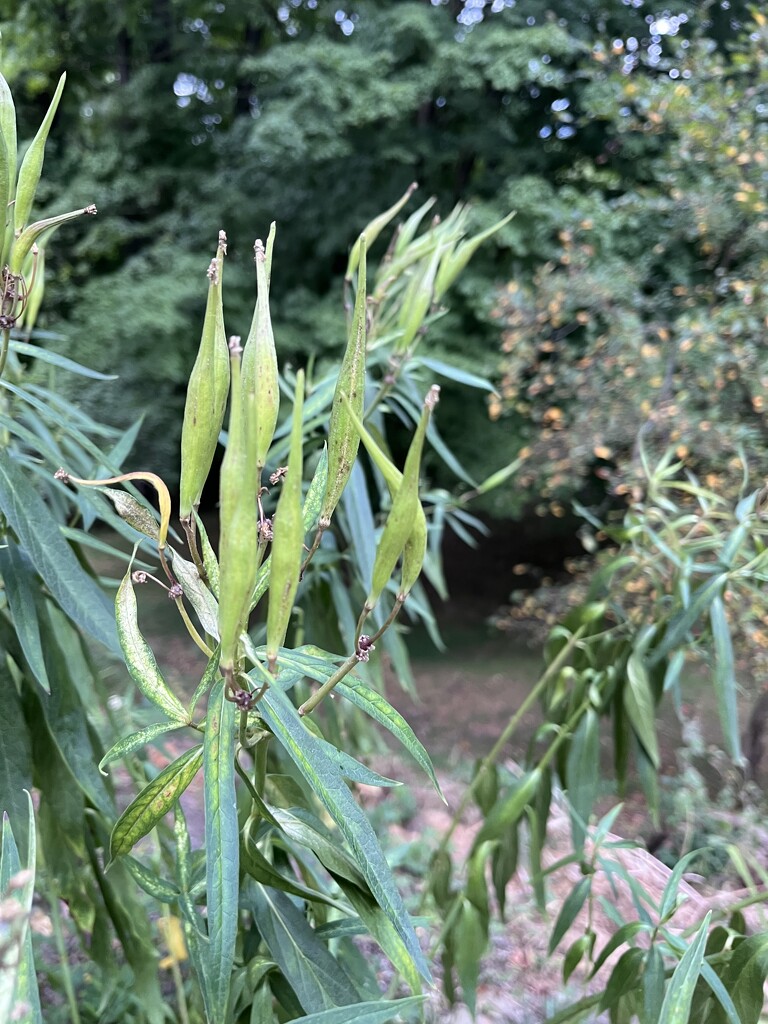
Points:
(191, 116)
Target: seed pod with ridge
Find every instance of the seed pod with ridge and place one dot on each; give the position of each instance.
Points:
(261, 390)
(416, 302)
(374, 229)
(32, 164)
(416, 545)
(343, 438)
(455, 260)
(22, 246)
(206, 394)
(402, 516)
(288, 542)
(238, 547)
(7, 168)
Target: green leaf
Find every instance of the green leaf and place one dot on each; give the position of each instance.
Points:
(454, 373)
(725, 678)
(653, 985)
(154, 802)
(682, 623)
(327, 784)
(20, 590)
(471, 944)
(198, 595)
(222, 846)
(572, 904)
(624, 977)
(138, 654)
(677, 999)
(670, 895)
(209, 675)
(380, 927)
(510, 808)
(152, 884)
(582, 774)
(260, 869)
(377, 1012)
(381, 711)
(19, 987)
(128, 744)
(354, 771)
(15, 756)
(623, 934)
(639, 706)
(316, 977)
(574, 955)
(52, 557)
(307, 831)
(46, 355)
(745, 977)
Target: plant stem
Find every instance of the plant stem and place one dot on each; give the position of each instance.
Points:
(191, 629)
(191, 535)
(507, 733)
(5, 340)
(343, 670)
(178, 981)
(58, 935)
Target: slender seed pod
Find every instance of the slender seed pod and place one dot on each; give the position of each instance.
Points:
(343, 438)
(270, 248)
(454, 262)
(32, 164)
(8, 156)
(238, 547)
(374, 229)
(411, 226)
(288, 542)
(206, 393)
(261, 390)
(416, 302)
(416, 545)
(400, 521)
(22, 246)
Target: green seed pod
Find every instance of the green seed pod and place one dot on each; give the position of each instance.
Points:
(288, 542)
(408, 231)
(374, 229)
(206, 393)
(239, 543)
(416, 545)
(32, 164)
(8, 157)
(261, 390)
(416, 302)
(22, 246)
(400, 521)
(454, 262)
(343, 438)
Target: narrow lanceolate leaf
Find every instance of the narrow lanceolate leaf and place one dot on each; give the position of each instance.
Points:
(316, 977)
(343, 439)
(154, 802)
(374, 229)
(199, 596)
(745, 977)
(32, 164)
(18, 981)
(138, 654)
(677, 999)
(15, 755)
(568, 912)
(376, 1012)
(380, 710)
(638, 703)
(222, 840)
(211, 671)
(135, 741)
(39, 534)
(19, 582)
(583, 772)
(725, 678)
(324, 778)
(155, 886)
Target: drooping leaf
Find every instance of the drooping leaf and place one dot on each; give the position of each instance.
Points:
(20, 591)
(583, 772)
(377, 1012)
(725, 678)
(136, 740)
(138, 655)
(15, 757)
(639, 706)
(52, 557)
(317, 978)
(154, 802)
(572, 904)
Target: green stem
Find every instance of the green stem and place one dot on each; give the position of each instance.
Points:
(343, 670)
(191, 535)
(58, 936)
(490, 759)
(191, 629)
(5, 340)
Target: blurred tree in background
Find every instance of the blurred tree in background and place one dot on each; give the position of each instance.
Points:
(616, 130)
